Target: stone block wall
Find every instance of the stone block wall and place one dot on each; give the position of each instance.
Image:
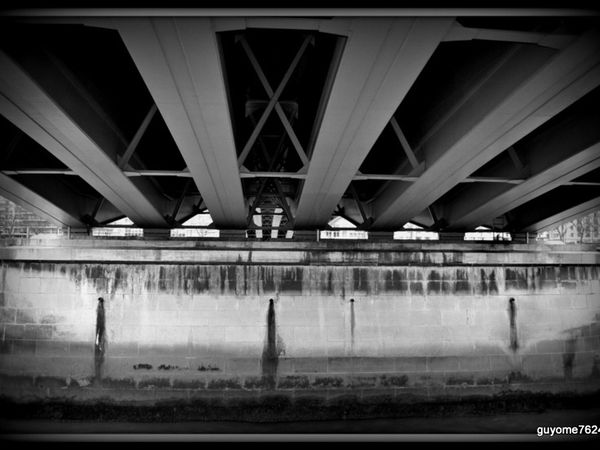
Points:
(185, 330)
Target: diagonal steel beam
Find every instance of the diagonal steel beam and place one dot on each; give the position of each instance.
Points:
(552, 39)
(567, 215)
(28, 199)
(380, 62)
(404, 143)
(556, 156)
(129, 151)
(516, 160)
(273, 100)
(284, 203)
(179, 60)
(271, 161)
(180, 200)
(358, 203)
(109, 125)
(543, 88)
(89, 154)
(131, 148)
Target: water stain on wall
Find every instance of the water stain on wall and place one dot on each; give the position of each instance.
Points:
(512, 314)
(352, 325)
(487, 283)
(270, 356)
(142, 366)
(100, 340)
(569, 357)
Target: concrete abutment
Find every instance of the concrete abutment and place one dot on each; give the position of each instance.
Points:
(243, 322)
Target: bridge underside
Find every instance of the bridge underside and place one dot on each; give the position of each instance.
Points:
(450, 123)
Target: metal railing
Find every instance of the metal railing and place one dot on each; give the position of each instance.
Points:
(27, 232)
(282, 234)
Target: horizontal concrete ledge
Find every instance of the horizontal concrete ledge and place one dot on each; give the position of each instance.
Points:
(354, 253)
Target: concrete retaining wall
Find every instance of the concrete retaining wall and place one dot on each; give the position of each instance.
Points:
(383, 322)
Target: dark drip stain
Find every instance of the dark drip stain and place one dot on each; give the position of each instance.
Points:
(100, 342)
(492, 285)
(596, 367)
(352, 324)
(270, 358)
(168, 367)
(569, 357)
(512, 311)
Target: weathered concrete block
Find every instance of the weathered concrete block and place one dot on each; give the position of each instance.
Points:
(45, 382)
(421, 348)
(28, 315)
(541, 365)
(163, 350)
(454, 317)
(340, 364)
(49, 317)
(38, 332)
(591, 343)
(442, 363)
(579, 301)
(583, 365)
(12, 331)
(5, 346)
(371, 364)
(474, 363)
(435, 288)
(244, 334)
(8, 315)
(491, 347)
(336, 331)
(425, 317)
(550, 346)
(416, 288)
(12, 277)
(239, 366)
(370, 348)
(23, 347)
(502, 363)
(365, 331)
(310, 365)
(442, 303)
(437, 333)
(31, 285)
(52, 348)
(112, 349)
(307, 335)
(78, 331)
(410, 364)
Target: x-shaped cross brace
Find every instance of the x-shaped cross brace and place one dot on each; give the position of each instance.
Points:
(273, 100)
(122, 161)
(271, 161)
